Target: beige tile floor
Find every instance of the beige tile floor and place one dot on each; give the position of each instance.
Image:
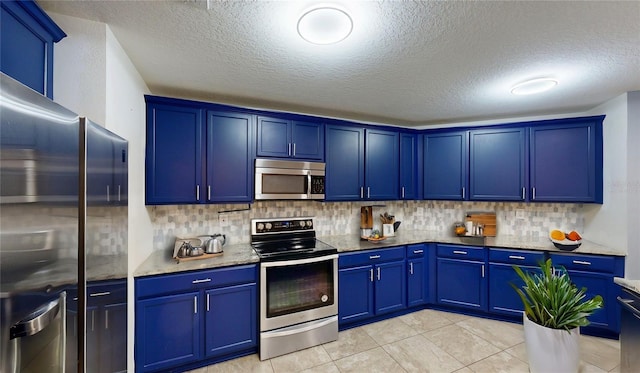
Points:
(423, 341)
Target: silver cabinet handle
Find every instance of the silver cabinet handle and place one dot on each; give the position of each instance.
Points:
(106, 319)
(102, 294)
(294, 149)
(411, 268)
(93, 320)
(289, 149)
(460, 252)
(119, 192)
(371, 274)
(378, 273)
(198, 192)
(108, 197)
(374, 256)
(462, 192)
(483, 271)
(402, 192)
(208, 302)
(418, 251)
(361, 192)
(195, 304)
(523, 193)
(368, 192)
(582, 262)
(516, 257)
(533, 193)
(37, 320)
(209, 192)
(201, 281)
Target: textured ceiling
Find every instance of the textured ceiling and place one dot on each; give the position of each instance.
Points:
(406, 63)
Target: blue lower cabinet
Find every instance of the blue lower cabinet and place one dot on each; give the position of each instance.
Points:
(114, 339)
(168, 331)
(417, 275)
(231, 320)
(503, 299)
(462, 278)
(193, 317)
(372, 282)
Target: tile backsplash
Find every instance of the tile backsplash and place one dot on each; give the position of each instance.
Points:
(337, 218)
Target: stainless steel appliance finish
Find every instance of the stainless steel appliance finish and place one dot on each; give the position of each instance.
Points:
(629, 332)
(59, 195)
(298, 286)
(289, 180)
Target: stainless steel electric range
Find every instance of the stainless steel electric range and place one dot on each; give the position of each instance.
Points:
(298, 286)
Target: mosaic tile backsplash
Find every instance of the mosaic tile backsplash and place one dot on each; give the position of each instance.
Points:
(338, 218)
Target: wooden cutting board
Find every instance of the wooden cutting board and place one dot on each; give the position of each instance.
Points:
(487, 219)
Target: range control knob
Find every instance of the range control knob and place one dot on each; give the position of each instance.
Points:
(309, 224)
(260, 226)
(302, 223)
(268, 226)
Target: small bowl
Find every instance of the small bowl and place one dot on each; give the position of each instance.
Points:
(566, 245)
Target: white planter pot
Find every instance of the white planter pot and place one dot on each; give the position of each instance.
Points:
(551, 350)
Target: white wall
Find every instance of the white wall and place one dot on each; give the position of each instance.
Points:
(95, 78)
(607, 224)
(633, 185)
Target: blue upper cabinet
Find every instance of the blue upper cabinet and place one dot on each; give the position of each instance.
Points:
(174, 161)
(27, 35)
(497, 161)
(281, 138)
(566, 160)
(229, 157)
(408, 166)
(381, 164)
(445, 165)
(345, 163)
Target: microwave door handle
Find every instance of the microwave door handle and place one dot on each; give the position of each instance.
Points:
(309, 184)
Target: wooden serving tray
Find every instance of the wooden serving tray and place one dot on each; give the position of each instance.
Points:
(189, 258)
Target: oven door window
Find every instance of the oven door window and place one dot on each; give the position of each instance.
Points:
(296, 288)
(284, 184)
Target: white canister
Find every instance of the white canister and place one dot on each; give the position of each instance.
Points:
(387, 230)
(469, 227)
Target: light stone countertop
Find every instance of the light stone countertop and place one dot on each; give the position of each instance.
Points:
(346, 243)
(633, 285)
(161, 262)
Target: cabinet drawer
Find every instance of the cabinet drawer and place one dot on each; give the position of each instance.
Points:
(593, 263)
(461, 252)
(371, 256)
(166, 284)
(416, 251)
(517, 257)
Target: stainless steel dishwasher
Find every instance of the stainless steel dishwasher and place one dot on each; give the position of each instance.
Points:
(629, 332)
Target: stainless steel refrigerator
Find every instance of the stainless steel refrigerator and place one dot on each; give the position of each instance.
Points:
(63, 238)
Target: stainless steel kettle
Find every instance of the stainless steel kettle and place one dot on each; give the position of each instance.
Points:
(214, 245)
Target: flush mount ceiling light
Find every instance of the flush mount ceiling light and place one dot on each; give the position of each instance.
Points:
(325, 25)
(533, 86)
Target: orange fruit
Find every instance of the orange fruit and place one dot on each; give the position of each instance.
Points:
(557, 235)
(574, 236)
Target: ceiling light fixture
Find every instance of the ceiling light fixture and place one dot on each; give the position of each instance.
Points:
(534, 86)
(325, 25)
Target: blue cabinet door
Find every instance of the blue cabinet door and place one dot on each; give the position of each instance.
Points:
(563, 163)
(445, 166)
(231, 321)
(113, 341)
(167, 331)
(390, 287)
(461, 283)
(497, 161)
(274, 137)
(381, 165)
(174, 154)
(608, 317)
(416, 282)
(27, 35)
(345, 163)
(503, 298)
(229, 157)
(355, 298)
(308, 140)
(408, 166)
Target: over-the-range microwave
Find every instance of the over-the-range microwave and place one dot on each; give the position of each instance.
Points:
(276, 179)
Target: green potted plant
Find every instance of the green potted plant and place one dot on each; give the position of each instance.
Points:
(554, 309)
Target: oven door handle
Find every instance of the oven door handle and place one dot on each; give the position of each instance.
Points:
(296, 329)
(282, 263)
